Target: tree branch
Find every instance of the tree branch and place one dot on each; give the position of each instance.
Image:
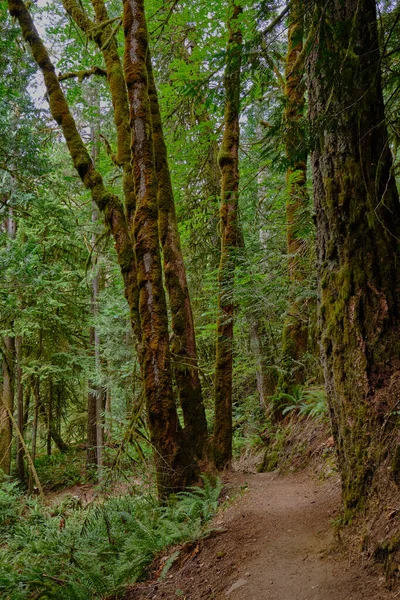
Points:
(81, 75)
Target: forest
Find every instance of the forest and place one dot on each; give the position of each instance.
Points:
(199, 246)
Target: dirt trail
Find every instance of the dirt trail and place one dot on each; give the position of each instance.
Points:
(278, 545)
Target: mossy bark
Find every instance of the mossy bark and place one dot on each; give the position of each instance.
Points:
(9, 371)
(266, 379)
(228, 160)
(7, 404)
(295, 333)
(108, 203)
(20, 408)
(183, 347)
(358, 231)
(175, 467)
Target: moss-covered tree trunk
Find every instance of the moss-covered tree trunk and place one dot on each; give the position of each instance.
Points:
(183, 347)
(20, 409)
(7, 404)
(228, 159)
(295, 334)
(8, 368)
(358, 232)
(174, 462)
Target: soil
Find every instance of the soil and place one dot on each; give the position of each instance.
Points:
(276, 542)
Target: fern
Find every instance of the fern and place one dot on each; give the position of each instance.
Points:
(100, 549)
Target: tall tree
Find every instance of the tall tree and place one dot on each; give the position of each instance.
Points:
(8, 362)
(172, 456)
(184, 344)
(228, 159)
(295, 333)
(358, 231)
(183, 347)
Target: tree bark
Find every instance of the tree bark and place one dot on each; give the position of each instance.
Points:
(175, 466)
(183, 346)
(91, 449)
(7, 405)
(265, 378)
(20, 409)
(49, 418)
(35, 425)
(228, 160)
(358, 231)
(295, 333)
(9, 361)
(94, 450)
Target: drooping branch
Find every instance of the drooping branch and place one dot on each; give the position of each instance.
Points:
(108, 203)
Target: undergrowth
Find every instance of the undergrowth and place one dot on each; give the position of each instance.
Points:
(71, 552)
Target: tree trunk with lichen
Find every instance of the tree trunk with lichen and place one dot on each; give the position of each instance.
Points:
(295, 333)
(175, 465)
(358, 231)
(183, 347)
(228, 160)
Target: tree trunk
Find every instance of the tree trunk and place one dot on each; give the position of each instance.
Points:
(49, 418)
(265, 378)
(35, 425)
(183, 347)
(229, 164)
(7, 404)
(20, 409)
(91, 448)
(94, 450)
(174, 464)
(9, 360)
(295, 334)
(358, 231)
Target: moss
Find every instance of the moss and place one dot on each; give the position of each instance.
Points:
(330, 192)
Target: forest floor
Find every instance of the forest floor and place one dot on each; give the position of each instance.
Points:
(276, 542)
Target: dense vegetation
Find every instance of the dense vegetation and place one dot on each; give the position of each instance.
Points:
(199, 232)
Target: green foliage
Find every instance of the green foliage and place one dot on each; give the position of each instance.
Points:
(72, 552)
(306, 402)
(61, 470)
